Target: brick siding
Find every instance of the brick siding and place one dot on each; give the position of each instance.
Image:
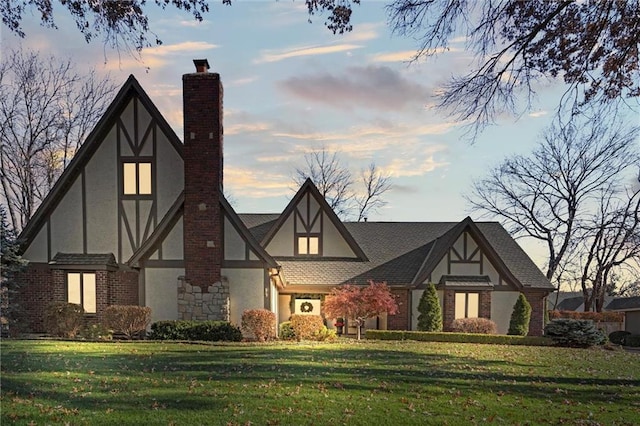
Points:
(400, 321)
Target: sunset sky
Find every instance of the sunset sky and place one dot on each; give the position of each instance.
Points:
(292, 86)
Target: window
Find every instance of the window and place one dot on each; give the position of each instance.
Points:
(308, 245)
(81, 289)
(136, 178)
(467, 305)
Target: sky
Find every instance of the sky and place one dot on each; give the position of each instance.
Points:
(291, 87)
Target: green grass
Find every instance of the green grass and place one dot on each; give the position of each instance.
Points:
(354, 383)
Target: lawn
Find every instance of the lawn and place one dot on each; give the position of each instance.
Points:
(354, 383)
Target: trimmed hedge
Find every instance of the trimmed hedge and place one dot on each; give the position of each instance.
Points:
(130, 320)
(305, 327)
(491, 339)
(63, 319)
(209, 331)
(474, 325)
(632, 341)
(574, 333)
(261, 323)
(606, 316)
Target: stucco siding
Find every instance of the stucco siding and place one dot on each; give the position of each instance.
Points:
(465, 269)
(161, 292)
(333, 243)
(246, 291)
(37, 250)
(102, 198)
(234, 245)
(282, 243)
(66, 222)
(501, 308)
(439, 270)
(284, 307)
(170, 174)
(172, 246)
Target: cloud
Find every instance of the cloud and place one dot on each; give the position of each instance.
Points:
(275, 56)
(375, 87)
(409, 55)
(417, 161)
(537, 114)
(256, 183)
(159, 56)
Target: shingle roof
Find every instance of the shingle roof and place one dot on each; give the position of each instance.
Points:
(570, 303)
(107, 259)
(397, 251)
(624, 303)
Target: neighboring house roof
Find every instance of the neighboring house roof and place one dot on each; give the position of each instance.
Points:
(624, 304)
(130, 89)
(570, 303)
(92, 261)
(398, 251)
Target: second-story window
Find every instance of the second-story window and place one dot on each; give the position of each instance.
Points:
(136, 178)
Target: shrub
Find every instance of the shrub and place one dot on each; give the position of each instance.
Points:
(574, 333)
(97, 332)
(423, 336)
(618, 337)
(261, 323)
(306, 326)
(632, 340)
(430, 318)
(286, 331)
(520, 317)
(129, 320)
(63, 319)
(474, 325)
(325, 335)
(607, 316)
(210, 331)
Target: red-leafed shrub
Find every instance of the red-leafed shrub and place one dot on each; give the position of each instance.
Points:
(474, 325)
(261, 323)
(129, 320)
(63, 319)
(305, 327)
(594, 316)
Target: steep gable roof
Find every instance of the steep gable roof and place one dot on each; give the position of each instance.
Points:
(172, 216)
(398, 252)
(309, 188)
(130, 89)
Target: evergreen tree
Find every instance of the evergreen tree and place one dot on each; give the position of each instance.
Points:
(430, 318)
(11, 263)
(519, 325)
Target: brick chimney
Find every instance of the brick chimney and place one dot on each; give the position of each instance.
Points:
(202, 103)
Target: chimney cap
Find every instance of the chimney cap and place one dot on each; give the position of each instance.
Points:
(202, 65)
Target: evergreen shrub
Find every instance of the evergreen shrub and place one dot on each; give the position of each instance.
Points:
(286, 331)
(520, 317)
(618, 337)
(209, 331)
(574, 333)
(430, 318)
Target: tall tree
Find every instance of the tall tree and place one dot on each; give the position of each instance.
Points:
(609, 239)
(334, 181)
(547, 194)
(46, 109)
(10, 264)
(360, 303)
(590, 45)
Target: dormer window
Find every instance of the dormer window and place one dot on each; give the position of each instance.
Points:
(136, 178)
(308, 245)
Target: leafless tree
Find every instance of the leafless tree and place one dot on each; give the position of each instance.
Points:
(336, 184)
(547, 194)
(375, 184)
(46, 110)
(608, 239)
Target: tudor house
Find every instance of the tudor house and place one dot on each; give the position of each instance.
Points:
(139, 217)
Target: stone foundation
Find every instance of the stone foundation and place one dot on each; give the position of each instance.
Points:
(195, 304)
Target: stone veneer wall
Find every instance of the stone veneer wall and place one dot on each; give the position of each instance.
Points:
(194, 304)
